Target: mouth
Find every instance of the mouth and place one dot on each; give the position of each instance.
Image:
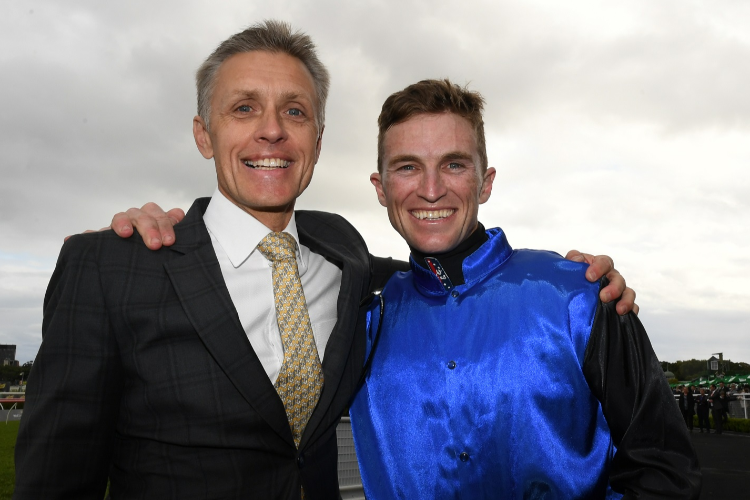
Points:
(267, 163)
(432, 214)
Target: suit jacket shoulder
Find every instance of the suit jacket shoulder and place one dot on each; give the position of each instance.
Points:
(340, 234)
(328, 231)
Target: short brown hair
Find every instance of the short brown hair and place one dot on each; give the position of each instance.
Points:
(432, 97)
(269, 36)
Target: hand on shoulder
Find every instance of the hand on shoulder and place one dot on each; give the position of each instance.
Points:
(153, 224)
(603, 265)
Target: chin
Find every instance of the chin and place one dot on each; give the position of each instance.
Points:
(431, 246)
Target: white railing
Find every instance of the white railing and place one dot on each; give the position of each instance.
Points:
(350, 482)
(11, 398)
(740, 407)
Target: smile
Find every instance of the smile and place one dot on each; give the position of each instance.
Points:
(432, 214)
(267, 163)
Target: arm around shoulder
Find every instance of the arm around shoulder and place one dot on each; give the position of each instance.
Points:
(66, 436)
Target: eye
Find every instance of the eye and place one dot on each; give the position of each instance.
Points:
(454, 166)
(295, 112)
(245, 108)
(406, 167)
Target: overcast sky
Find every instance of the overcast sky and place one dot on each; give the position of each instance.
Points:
(619, 128)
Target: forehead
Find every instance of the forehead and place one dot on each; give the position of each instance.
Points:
(430, 136)
(263, 73)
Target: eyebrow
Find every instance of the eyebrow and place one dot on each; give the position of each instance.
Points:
(404, 159)
(254, 94)
(457, 155)
(245, 94)
(453, 155)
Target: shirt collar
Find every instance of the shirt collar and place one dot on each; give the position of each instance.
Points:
(489, 256)
(239, 233)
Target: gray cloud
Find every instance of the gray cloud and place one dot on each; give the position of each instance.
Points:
(615, 128)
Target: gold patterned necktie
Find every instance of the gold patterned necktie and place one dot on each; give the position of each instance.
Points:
(301, 377)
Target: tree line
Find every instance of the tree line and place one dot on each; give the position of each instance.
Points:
(695, 368)
(12, 374)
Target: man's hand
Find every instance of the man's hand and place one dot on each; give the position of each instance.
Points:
(602, 265)
(153, 224)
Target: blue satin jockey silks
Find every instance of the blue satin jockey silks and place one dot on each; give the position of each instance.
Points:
(478, 391)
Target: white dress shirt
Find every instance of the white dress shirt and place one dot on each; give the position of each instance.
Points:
(235, 235)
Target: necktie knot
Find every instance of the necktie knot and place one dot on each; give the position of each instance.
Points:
(278, 246)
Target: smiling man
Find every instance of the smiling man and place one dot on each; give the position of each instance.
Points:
(494, 372)
(217, 367)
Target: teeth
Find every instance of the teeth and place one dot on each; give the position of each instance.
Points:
(432, 214)
(267, 163)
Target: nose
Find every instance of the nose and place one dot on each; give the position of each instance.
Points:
(270, 128)
(432, 186)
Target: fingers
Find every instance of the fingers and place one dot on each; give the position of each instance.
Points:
(627, 302)
(173, 217)
(176, 215)
(121, 225)
(600, 265)
(166, 233)
(164, 221)
(575, 256)
(154, 225)
(615, 288)
(146, 225)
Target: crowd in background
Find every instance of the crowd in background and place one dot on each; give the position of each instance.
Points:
(700, 401)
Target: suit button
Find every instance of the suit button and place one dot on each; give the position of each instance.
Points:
(455, 294)
(451, 364)
(464, 456)
(301, 460)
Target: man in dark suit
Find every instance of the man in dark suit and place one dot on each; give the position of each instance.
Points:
(725, 412)
(702, 407)
(145, 375)
(167, 372)
(717, 408)
(686, 404)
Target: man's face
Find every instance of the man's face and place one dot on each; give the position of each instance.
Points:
(431, 181)
(263, 135)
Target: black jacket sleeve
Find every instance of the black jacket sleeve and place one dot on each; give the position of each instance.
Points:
(381, 270)
(65, 440)
(654, 458)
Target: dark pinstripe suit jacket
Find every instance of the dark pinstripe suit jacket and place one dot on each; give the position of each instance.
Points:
(145, 375)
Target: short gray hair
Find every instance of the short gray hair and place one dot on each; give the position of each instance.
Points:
(270, 36)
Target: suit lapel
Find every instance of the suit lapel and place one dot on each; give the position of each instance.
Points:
(340, 342)
(197, 280)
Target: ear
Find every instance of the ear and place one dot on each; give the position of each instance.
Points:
(202, 138)
(377, 181)
(319, 144)
(486, 189)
